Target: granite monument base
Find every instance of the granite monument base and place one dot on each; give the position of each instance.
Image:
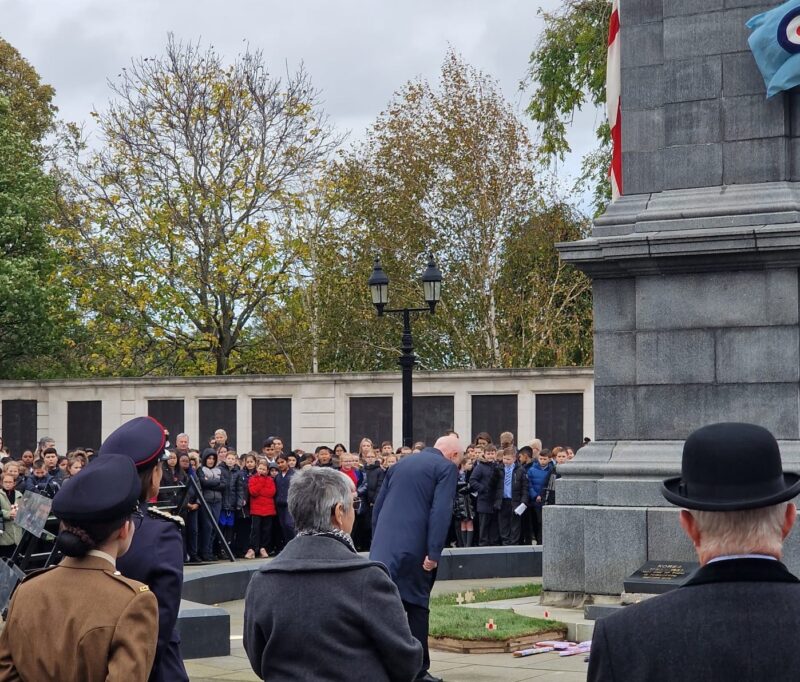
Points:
(610, 518)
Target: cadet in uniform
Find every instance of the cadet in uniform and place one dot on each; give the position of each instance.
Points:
(82, 620)
(156, 553)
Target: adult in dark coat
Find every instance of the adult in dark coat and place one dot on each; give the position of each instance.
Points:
(410, 522)
(738, 616)
(319, 611)
(156, 553)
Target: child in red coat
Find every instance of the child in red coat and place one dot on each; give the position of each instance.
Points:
(262, 511)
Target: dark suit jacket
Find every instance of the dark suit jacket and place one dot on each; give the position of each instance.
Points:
(737, 619)
(519, 486)
(411, 518)
(484, 482)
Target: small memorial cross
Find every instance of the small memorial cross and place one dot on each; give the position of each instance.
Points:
(460, 599)
(490, 625)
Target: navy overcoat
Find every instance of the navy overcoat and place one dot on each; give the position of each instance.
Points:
(411, 518)
(155, 558)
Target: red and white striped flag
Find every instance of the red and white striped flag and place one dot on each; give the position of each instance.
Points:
(613, 96)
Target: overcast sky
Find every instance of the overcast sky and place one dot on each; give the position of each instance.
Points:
(357, 52)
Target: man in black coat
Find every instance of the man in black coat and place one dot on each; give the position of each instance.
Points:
(738, 616)
(410, 522)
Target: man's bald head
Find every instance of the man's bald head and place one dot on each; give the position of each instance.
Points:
(450, 446)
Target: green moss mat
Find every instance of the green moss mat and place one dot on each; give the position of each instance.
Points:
(494, 594)
(470, 624)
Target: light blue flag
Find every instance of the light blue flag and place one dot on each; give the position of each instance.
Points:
(775, 42)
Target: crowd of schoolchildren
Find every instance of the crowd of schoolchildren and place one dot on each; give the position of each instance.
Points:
(501, 491)
(244, 498)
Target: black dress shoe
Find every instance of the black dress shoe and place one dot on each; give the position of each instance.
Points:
(427, 677)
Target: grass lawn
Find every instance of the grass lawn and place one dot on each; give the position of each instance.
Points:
(494, 594)
(450, 620)
(470, 624)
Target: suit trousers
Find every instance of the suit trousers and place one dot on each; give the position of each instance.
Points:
(190, 533)
(526, 529)
(489, 532)
(418, 624)
(509, 523)
(536, 516)
(286, 522)
(207, 533)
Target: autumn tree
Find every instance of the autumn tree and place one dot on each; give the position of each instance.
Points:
(182, 232)
(567, 71)
(547, 303)
(450, 170)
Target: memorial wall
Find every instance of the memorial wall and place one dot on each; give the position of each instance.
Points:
(557, 405)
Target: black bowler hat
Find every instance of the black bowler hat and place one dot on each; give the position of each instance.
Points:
(142, 439)
(730, 467)
(107, 489)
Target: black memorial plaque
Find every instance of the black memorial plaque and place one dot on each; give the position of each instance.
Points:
(658, 577)
(433, 415)
(494, 414)
(19, 426)
(370, 418)
(169, 413)
(559, 419)
(84, 424)
(272, 417)
(217, 414)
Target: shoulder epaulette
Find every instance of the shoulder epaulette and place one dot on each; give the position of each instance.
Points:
(134, 585)
(157, 513)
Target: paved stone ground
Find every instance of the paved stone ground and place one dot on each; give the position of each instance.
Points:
(451, 667)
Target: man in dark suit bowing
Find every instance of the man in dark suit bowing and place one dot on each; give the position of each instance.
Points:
(738, 616)
(410, 521)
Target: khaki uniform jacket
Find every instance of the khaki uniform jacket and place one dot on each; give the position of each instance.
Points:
(79, 621)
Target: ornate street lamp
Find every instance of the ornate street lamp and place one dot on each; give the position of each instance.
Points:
(432, 290)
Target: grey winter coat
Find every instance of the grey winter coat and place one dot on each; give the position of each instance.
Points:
(321, 612)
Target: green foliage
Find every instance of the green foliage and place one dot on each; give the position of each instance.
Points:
(30, 102)
(32, 302)
(547, 303)
(459, 622)
(567, 70)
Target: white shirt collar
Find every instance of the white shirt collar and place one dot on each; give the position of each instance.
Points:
(110, 559)
(728, 557)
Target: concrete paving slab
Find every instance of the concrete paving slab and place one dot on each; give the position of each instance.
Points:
(453, 667)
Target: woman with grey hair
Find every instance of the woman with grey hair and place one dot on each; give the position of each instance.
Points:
(319, 611)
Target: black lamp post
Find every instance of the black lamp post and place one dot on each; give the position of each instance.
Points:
(432, 289)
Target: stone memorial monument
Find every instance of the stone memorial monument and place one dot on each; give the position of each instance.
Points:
(695, 282)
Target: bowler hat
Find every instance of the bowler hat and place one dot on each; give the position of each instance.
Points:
(731, 467)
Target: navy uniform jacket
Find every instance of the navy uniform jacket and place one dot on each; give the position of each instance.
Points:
(411, 518)
(736, 619)
(155, 558)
